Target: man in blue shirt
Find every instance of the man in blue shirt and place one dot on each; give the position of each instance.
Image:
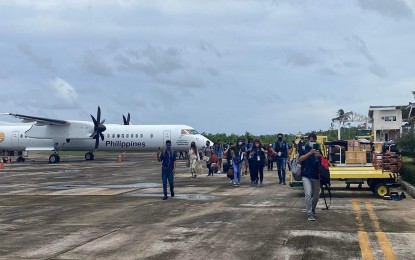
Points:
(168, 167)
(309, 158)
(280, 149)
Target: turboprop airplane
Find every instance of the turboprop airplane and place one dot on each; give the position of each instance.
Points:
(44, 134)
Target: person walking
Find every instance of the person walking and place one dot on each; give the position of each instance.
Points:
(194, 159)
(258, 162)
(218, 148)
(168, 162)
(207, 152)
(280, 149)
(238, 153)
(310, 159)
(270, 157)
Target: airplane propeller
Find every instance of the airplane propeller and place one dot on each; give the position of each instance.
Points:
(126, 120)
(99, 127)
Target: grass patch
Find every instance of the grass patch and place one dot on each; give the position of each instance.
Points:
(408, 170)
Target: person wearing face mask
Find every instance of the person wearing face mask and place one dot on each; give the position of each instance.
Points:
(238, 153)
(168, 167)
(247, 165)
(280, 149)
(270, 157)
(310, 159)
(258, 162)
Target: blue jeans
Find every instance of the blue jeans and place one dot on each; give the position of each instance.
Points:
(167, 175)
(237, 168)
(281, 164)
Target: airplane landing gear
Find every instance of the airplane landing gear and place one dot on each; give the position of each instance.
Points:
(54, 158)
(89, 156)
(20, 159)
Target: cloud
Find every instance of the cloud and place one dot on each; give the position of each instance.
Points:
(184, 80)
(151, 61)
(95, 65)
(396, 9)
(359, 45)
(62, 91)
(209, 47)
(299, 59)
(44, 63)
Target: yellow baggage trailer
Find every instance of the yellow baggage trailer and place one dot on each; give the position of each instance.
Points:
(380, 173)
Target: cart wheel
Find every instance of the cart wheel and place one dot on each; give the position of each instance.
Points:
(381, 190)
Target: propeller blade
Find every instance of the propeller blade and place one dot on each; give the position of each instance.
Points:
(96, 142)
(124, 119)
(93, 134)
(102, 136)
(94, 120)
(128, 119)
(102, 122)
(99, 114)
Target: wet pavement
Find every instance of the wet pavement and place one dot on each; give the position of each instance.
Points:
(109, 210)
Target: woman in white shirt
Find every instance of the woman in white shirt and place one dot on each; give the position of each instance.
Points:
(194, 158)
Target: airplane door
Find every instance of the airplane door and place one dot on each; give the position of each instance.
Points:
(15, 139)
(166, 136)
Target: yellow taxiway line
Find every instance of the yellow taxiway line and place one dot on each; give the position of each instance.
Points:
(363, 236)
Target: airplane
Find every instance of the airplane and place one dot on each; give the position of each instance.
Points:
(44, 134)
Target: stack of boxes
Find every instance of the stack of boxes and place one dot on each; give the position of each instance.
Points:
(356, 152)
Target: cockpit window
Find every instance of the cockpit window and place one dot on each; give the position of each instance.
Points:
(189, 132)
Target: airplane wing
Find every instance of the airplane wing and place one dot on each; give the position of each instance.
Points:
(39, 120)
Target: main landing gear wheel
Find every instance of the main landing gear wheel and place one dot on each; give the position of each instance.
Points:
(89, 156)
(20, 159)
(54, 158)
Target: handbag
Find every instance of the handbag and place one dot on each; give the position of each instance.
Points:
(296, 169)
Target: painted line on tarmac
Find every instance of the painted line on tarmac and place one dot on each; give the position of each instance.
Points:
(381, 236)
(363, 236)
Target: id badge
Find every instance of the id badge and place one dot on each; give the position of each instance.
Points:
(258, 158)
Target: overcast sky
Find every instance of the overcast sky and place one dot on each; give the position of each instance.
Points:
(220, 65)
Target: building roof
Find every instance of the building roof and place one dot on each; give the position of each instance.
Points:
(385, 108)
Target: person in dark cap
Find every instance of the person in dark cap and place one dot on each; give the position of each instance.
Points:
(168, 167)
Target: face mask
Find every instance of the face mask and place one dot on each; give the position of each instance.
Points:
(240, 143)
(311, 144)
(168, 148)
(280, 139)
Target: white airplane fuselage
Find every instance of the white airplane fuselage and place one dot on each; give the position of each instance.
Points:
(22, 137)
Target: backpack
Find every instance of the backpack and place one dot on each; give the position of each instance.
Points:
(325, 180)
(296, 169)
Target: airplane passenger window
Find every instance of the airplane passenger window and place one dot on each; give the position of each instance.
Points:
(118, 135)
(141, 135)
(113, 135)
(128, 135)
(21, 135)
(136, 135)
(151, 135)
(122, 135)
(108, 135)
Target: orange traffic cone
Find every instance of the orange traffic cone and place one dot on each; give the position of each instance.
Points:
(119, 158)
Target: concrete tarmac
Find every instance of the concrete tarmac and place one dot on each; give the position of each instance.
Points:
(104, 209)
